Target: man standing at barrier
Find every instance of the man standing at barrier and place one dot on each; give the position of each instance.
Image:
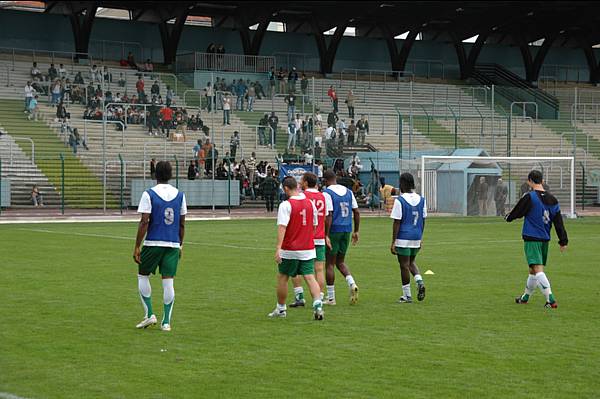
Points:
(338, 229)
(295, 252)
(163, 210)
(500, 196)
(540, 210)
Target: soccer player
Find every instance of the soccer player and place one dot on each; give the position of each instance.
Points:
(338, 229)
(540, 210)
(163, 210)
(322, 203)
(295, 252)
(409, 213)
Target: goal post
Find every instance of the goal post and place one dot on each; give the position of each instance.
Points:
(471, 185)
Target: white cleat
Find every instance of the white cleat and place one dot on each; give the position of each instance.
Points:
(319, 314)
(330, 302)
(278, 313)
(147, 322)
(353, 294)
(165, 327)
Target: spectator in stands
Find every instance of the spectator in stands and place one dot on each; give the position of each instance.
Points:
(332, 119)
(386, 192)
(269, 188)
(166, 121)
(482, 196)
(281, 79)
(209, 93)
(131, 61)
(234, 143)
(139, 86)
(121, 81)
(220, 55)
(56, 92)
(304, 86)
(263, 123)
(290, 100)
(240, 92)
(192, 171)
(29, 93)
(170, 95)
(73, 141)
(351, 132)
(52, 73)
(292, 79)
(318, 153)
(350, 99)
(106, 74)
(251, 93)
(363, 129)
(524, 189)
(148, 66)
(334, 99)
(36, 197)
(153, 119)
(251, 167)
(226, 109)
(155, 89)
(500, 195)
(291, 130)
(341, 127)
(62, 72)
(271, 77)
(35, 72)
(260, 92)
(153, 169)
(61, 112)
(78, 80)
(95, 74)
(273, 122)
(33, 109)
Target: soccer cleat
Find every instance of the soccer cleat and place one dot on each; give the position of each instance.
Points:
(405, 299)
(297, 303)
(147, 322)
(278, 313)
(318, 313)
(520, 300)
(353, 294)
(551, 305)
(165, 327)
(330, 302)
(421, 292)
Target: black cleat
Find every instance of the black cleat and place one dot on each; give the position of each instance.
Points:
(421, 292)
(519, 300)
(297, 303)
(405, 299)
(551, 305)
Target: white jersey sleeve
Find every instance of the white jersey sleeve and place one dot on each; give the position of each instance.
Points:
(315, 214)
(424, 208)
(396, 210)
(354, 203)
(283, 213)
(145, 205)
(328, 203)
(183, 210)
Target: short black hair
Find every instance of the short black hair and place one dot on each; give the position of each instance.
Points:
(535, 176)
(290, 183)
(310, 179)
(407, 183)
(329, 175)
(163, 172)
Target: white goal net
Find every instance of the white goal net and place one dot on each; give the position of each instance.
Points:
(489, 186)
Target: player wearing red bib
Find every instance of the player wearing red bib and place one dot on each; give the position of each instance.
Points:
(295, 252)
(322, 203)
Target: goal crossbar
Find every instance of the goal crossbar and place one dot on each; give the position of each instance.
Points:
(441, 158)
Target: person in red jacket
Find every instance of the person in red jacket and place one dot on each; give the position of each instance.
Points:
(166, 120)
(295, 252)
(334, 99)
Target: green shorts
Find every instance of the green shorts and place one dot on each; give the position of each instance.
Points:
(320, 249)
(165, 258)
(536, 252)
(339, 243)
(407, 252)
(294, 267)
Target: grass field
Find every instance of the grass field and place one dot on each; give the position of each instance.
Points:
(69, 304)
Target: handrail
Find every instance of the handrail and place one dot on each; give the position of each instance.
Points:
(16, 50)
(524, 105)
(122, 43)
(8, 82)
(159, 74)
(429, 64)
(383, 72)
(164, 145)
(199, 91)
(304, 56)
(576, 106)
(523, 119)
(558, 68)
(28, 139)
(233, 62)
(123, 127)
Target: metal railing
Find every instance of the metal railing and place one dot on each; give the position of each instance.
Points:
(12, 143)
(578, 115)
(6, 67)
(388, 77)
(124, 47)
(35, 54)
(523, 119)
(123, 127)
(564, 73)
(233, 62)
(428, 64)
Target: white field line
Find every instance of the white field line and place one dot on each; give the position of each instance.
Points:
(6, 395)
(124, 219)
(208, 244)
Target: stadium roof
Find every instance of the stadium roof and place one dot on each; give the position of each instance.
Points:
(546, 24)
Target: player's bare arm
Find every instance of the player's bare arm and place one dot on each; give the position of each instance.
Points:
(280, 235)
(356, 215)
(328, 220)
(395, 229)
(141, 233)
(181, 234)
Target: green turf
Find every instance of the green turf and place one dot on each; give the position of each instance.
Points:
(69, 303)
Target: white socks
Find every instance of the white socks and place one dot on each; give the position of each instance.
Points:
(281, 307)
(532, 283)
(168, 299)
(544, 285)
(298, 293)
(418, 279)
(331, 292)
(145, 294)
(406, 290)
(350, 280)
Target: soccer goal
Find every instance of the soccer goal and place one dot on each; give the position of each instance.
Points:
(491, 186)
